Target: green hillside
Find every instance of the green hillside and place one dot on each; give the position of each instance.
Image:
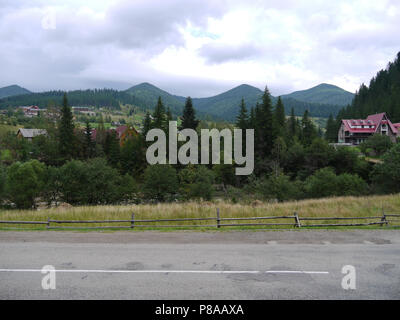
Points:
(323, 93)
(147, 96)
(13, 90)
(223, 106)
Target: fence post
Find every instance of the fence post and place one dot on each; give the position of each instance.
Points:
(296, 217)
(48, 223)
(383, 219)
(133, 220)
(218, 219)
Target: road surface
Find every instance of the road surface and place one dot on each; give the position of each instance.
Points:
(200, 265)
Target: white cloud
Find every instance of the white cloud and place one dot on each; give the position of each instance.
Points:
(197, 47)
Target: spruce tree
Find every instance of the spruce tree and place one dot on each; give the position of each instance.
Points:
(146, 124)
(292, 125)
(66, 131)
(331, 132)
(309, 130)
(242, 120)
(169, 115)
(280, 114)
(89, 144)
(159, 116)
(188, 118)
(252, 119)
(267, 125)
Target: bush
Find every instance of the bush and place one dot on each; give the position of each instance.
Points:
(277, 187)
(160, 182)
(3, 177)
(196, 182)
(325, 183)
(378, 143)
(94, 182)
(25, 182)
(386, 175)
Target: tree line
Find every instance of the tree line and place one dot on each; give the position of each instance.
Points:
(293, 160)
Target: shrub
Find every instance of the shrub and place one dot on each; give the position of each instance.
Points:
(25, 182)
(386, 175)
(3, 177)
(379, 143)
(277, 187)
(196, 182)
(160, 182)
(325, 183)
(94, 182)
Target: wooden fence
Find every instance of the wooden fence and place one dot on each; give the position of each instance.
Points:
(294, 221)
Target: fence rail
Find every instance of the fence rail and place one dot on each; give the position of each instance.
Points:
(297, 222)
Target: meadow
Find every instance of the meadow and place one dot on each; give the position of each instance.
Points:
(328, 207)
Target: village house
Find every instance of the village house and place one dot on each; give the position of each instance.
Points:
(122, 133)
(29, 134)
(356, 131)
(30, 111)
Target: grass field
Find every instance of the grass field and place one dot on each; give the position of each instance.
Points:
(4, 128)
(330, 207)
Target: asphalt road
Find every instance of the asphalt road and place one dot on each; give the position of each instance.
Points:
(188, 265)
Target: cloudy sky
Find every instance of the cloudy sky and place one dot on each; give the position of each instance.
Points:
(196, 47)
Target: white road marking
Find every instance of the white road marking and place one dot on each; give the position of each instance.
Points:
(272, 242)
(167, 271)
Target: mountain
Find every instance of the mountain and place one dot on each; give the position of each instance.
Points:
(13, 90)
(323, 93)
(382, 95)
(223, 106)
(226, 105)
(147, 95)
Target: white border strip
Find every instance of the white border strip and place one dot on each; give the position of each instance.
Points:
(167, 271)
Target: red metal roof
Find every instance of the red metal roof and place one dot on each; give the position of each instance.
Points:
(372, 120)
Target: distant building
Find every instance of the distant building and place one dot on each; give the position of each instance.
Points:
(84, 110)
(29, 134)
(30, 111)
(356, 131)
(121, 133)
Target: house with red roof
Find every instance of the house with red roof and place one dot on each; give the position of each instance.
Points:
(356, 131)
(121, 133)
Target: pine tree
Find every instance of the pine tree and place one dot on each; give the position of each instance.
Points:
(280, 114)
(280, 118)
(66, 131)
(252, 119)
(331, 132)
(89, 144)
(292, 125)
(189, 116)
(159, 116)
(309, 130)
(242, 120)
(146, 124)
(267, 125)
(112, 149)
(169, 115)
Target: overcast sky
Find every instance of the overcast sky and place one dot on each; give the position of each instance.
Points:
(196, 47)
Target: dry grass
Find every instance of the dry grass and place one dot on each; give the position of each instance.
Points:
(329, 207)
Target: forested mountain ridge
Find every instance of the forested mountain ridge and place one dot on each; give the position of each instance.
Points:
(224, 106)
(91, 97)
(323, 93)
(382, 95)
(12, 90)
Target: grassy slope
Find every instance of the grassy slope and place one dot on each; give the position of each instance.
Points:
(340, 207)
